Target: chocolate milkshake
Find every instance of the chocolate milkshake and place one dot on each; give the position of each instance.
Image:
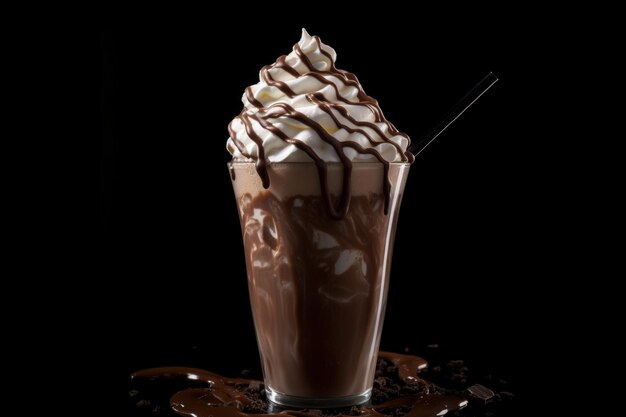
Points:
(318, 174)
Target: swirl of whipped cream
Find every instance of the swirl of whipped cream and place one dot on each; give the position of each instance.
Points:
(304, 109)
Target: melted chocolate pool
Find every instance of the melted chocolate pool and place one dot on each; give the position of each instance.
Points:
(408, 395)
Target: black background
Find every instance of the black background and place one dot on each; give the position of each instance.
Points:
(173, 258)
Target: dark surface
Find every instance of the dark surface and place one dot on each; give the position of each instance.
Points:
(462, 268)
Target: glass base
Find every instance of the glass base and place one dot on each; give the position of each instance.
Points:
(307, 402)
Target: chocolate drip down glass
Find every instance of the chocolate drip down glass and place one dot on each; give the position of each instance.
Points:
(317, 283)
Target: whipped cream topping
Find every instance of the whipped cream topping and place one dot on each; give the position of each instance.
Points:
(302, 105)
(304, 109)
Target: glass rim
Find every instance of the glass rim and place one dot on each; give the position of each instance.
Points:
(354, 164)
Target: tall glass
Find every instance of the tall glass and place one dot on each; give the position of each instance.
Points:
(318, 285)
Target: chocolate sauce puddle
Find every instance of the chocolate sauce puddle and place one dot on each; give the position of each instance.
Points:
(227, 397)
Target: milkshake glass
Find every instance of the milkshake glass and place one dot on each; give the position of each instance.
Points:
(318, 285)
(318, 175)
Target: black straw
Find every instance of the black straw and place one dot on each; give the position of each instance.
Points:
(454, 113)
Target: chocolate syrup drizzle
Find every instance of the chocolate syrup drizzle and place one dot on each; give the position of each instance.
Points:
(225, 398)
(265, 115)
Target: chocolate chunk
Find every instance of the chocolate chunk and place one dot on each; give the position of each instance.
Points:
(143, 403)
(480, 393)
